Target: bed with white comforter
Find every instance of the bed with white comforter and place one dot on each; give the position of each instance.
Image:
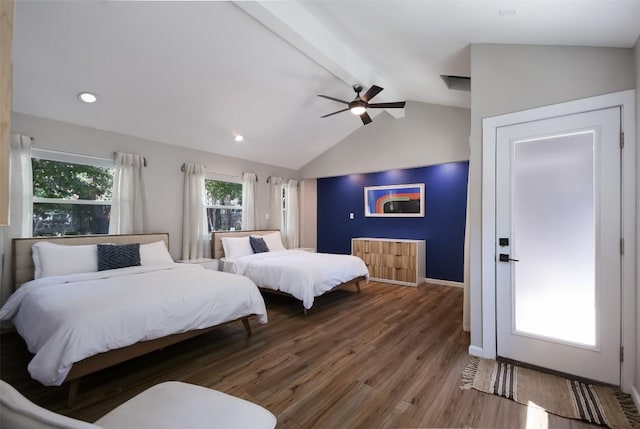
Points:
(65, 319)
(304, 275)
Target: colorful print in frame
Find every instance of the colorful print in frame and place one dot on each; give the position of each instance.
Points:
(394, 200)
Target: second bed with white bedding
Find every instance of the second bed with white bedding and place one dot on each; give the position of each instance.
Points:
(304, 275)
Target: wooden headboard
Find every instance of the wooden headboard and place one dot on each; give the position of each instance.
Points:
(22, 259)
(217, 251)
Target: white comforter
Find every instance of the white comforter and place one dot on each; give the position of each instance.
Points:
(65, 319)
(302, 274)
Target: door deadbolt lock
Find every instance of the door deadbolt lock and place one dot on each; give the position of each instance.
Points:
(504, 257)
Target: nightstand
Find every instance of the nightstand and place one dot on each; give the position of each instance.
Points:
(208, 263)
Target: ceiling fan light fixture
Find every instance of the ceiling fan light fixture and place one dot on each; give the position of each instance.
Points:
(361, 104)
(358, 110)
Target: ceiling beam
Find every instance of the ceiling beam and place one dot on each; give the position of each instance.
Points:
(293, 23)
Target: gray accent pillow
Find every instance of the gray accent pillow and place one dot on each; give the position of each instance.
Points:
(112, 256)
(258, 245)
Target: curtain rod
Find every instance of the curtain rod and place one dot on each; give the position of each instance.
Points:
(218, 174)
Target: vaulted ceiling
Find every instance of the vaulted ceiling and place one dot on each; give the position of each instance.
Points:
(198, 73)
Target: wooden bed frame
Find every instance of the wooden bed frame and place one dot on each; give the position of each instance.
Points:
(217, 252)
(23, 270)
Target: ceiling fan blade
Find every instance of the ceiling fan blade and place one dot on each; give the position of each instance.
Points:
(365, 118)
(393, 105)
(331, 114)
(334, 99)
(372, 92)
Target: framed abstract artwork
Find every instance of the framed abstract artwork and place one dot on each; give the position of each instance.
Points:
(394, 200)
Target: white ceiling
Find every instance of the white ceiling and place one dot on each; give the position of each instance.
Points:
(197, 73)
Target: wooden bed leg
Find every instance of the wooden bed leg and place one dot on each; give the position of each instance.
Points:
(247, 327)
(74, 386)
(305, 311)
(358, 286)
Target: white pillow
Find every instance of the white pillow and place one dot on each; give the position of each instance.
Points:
(155, 254)
(274, 241)
(235, 247)
(52, 259)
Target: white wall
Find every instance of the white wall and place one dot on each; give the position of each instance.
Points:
(509, 78)
(428, 134)
(637, 69)
(163, 178)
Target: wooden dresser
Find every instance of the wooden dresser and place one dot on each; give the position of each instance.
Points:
(393, 260)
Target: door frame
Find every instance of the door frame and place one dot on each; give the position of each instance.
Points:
(626, 101)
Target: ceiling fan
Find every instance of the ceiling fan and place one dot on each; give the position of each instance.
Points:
(360, 104)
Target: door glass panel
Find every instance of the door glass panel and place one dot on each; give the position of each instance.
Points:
(553, 233)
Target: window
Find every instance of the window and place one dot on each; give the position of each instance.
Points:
(224, 205)
(279, 204)
(71, 193)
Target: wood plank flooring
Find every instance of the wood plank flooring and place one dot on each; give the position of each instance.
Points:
(389, 357)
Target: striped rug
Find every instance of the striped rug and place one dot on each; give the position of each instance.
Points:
(567, 398)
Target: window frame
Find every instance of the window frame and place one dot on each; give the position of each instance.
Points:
(222, 178)
(72, 158)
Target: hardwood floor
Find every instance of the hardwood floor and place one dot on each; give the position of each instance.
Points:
(389, 357)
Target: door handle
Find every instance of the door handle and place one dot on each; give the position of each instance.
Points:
(504, 257)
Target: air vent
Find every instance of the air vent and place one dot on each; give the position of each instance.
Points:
(458, 83)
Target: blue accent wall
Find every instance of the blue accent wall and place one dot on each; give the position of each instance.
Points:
(442, 226)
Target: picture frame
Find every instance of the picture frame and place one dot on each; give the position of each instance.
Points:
(394, 200)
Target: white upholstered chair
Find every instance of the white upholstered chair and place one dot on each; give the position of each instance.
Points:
(167, 405)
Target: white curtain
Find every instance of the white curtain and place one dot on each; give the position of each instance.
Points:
(20, 207)
(21, 180)
(128, 207)
(292, 234)
(275, 203)
(249, 213)
(195, 237)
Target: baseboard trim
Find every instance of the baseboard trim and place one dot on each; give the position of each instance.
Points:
(444, 282)
(475, 351)
(635, 395)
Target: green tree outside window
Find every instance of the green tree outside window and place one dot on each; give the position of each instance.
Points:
(70, 182)
(224, 205)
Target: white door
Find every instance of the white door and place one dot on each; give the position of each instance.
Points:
(558, 229)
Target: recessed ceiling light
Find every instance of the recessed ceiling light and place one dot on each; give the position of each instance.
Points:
(87, 97)
(238, 138)
(507, 12)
